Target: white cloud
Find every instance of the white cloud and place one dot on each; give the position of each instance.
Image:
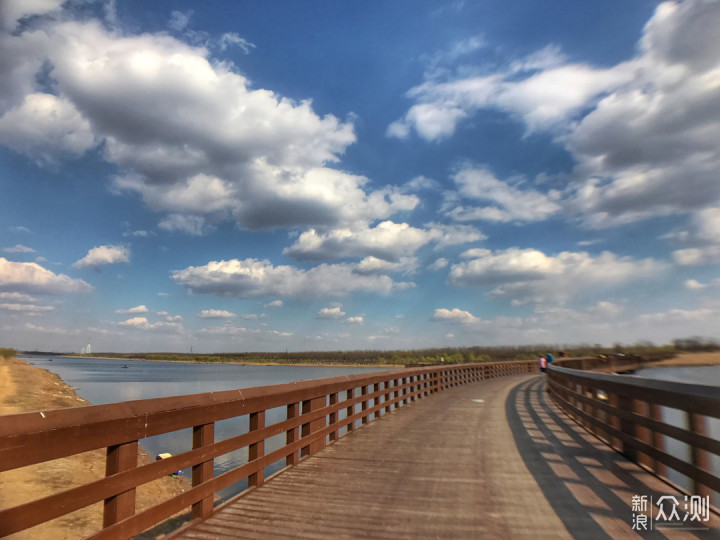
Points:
(455, 316)
(507, 202)
(541, 90)
(101, 255)
(529, 275)
(18, 248)
(28, 309)
(275, 304)
(136, 309)
(216, 314)
(251, 278)
(357, 319)
(17, 298)
(31, 278)
(694, 285)
(331, 313)
(193, 225)
(188, 133)
(373, 265)
(647, 147)
(46, 127)
(142, 323)
(642, 132)
(388, 241)
(439, 264)
(704, 234)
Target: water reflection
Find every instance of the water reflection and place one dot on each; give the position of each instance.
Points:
(705, 375)
(102, 381)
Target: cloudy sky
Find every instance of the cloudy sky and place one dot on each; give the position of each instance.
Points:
(245, 176)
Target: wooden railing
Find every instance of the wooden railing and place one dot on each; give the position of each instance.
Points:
(317, 413)
(626, 413)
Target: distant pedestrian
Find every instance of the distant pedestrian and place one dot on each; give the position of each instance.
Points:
(543, 363)
(550, 358)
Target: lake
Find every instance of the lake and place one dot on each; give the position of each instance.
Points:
(705, 375)
(102, 381)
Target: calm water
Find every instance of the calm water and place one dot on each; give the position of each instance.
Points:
(102, 381)
(706, 375)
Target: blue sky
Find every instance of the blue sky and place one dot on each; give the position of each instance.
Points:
(247, 176)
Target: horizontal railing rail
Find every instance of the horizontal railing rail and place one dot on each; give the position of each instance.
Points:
(627, 413)
(317, 413)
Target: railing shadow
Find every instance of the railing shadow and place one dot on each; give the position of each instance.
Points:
(589, 485)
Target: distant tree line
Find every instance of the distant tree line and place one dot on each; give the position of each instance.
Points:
(696, 344)
(7, 353)
(445, 355)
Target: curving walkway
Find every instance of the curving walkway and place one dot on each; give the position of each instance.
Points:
(493, 459)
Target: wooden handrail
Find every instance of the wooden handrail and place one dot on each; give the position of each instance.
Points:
(625, 412)
(316, 415)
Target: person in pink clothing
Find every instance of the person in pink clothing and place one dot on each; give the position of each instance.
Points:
(543, 363)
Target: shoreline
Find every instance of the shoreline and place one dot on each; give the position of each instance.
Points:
(245, 363)
(26, 388)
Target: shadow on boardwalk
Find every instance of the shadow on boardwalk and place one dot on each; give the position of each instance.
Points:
(493, 459)
(586, 482)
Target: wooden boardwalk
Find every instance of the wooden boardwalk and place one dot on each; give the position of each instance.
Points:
(493, 459)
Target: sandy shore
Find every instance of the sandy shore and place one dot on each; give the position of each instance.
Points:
(26, 388)
(690, 359)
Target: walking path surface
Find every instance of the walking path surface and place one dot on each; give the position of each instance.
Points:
(495, 459)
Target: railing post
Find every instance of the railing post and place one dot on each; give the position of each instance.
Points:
(257, 450)
(364, 403)
(658, 439)
(700, 458)
(203, 435)
(386, 385)
(291, 435)
(314, 426)
(333, 417)
(120, 457)
(349, 395)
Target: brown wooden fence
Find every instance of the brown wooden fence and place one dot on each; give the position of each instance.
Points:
(317, 413)
(626, 413)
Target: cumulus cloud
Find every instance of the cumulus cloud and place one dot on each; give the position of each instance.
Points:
(102, 255)
(703, 234)
(31, 278)
(454, 315)
(136, 309)
(187, 133)
(642, 132)
(331, 313)
(694, 285)
(540, 92)
(216, 314)
(529, 275)
(357, 319)
(388, 241)
(275, 304)
(506, 201)
(142, 323)
(647, 147)
(46, 127)
(439, 264)
(251, 278)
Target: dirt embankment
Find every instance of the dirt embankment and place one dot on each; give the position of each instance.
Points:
(690, 359)
(26, 388)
